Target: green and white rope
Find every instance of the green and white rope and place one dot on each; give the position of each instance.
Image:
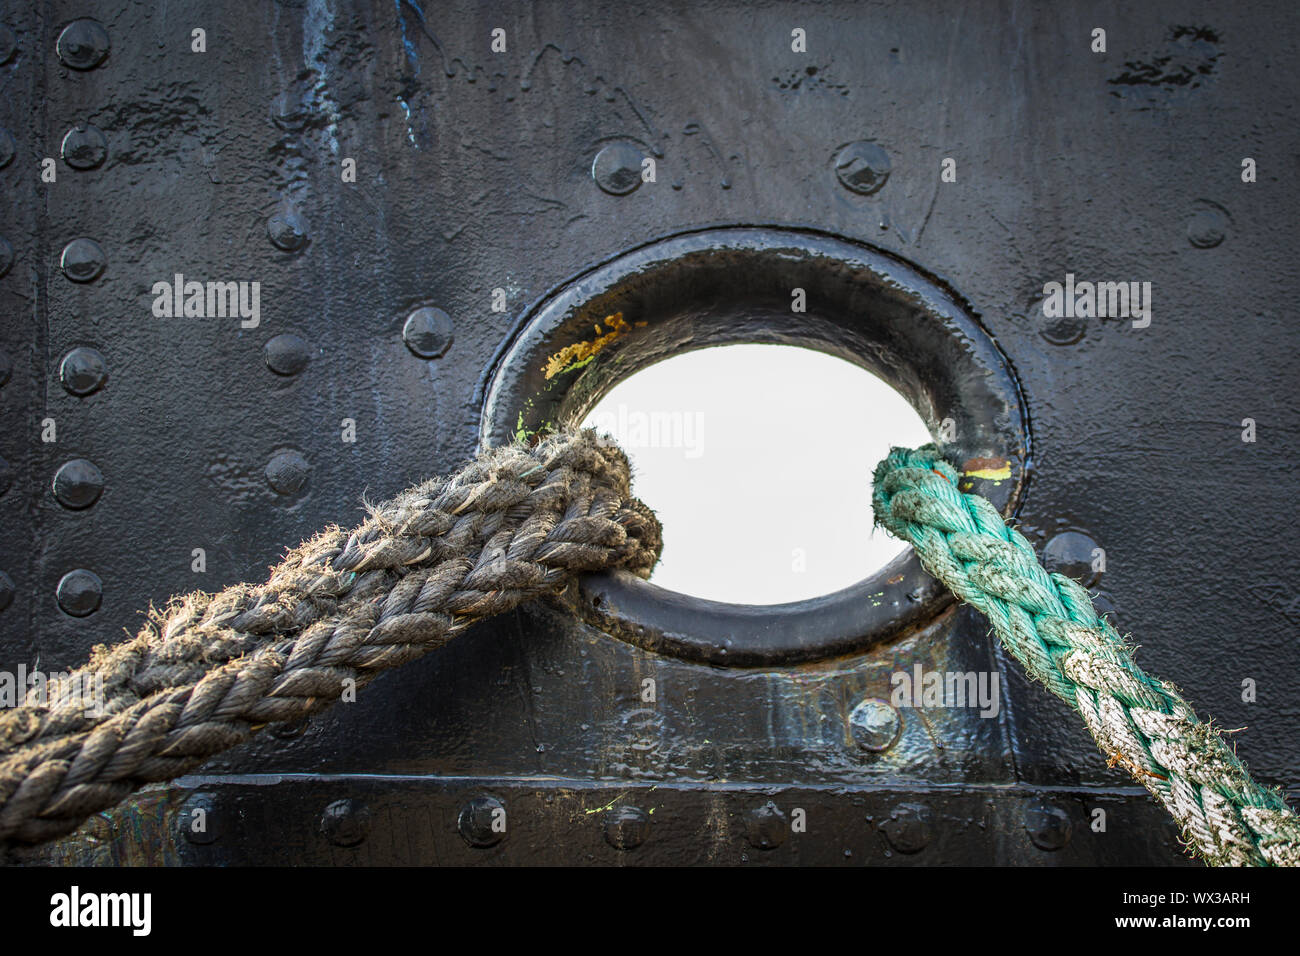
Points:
(1048, 623)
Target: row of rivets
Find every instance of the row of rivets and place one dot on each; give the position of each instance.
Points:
(82, 45)
(77, 484)
(862, 167)
(7, 44)
(909, 828)
(8, 47)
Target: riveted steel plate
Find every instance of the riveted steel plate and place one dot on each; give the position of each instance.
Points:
(406, 187)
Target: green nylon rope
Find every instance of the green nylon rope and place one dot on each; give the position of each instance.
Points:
(1048, 623)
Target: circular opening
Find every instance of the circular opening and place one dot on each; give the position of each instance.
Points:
(757, 460)
(765, 286)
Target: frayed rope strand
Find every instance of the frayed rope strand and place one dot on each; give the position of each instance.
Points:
(1048, 623)
(209, 670)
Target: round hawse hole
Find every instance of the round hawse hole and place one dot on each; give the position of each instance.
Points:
(758, 461)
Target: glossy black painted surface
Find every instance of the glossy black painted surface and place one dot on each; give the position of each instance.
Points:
(517, 171)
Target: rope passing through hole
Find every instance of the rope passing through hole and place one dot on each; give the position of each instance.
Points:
(207, 671)
(1047, 622)
(518, 523)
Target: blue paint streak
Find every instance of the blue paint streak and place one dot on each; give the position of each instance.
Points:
(413, 58)
(411, 55)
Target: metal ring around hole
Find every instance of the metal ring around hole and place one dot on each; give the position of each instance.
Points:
(733, 285)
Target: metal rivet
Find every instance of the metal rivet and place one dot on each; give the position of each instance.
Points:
(84, 147)
(345, 823)
(862, 167)
(617, 168)
(766, 827)
(1105, 605)
(645, 732)
(1063, 330)
(875, 724)
(1207, 225)
(1071, 553)
(83, 371)
(80, 592)
(78, 484)
(1057, 330)
(83, 260)
(288, 113)
(8, 43)
(6, 256)
(286, 354)
(287, 471)
(287, 230)
(626, 827)
(1048, 826)
(6, 590)
(428, 332)
(7, 147)
(908, 828)
(83, 44)
(477, 820)
(198, 820)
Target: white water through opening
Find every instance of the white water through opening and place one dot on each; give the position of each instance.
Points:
(758, 461)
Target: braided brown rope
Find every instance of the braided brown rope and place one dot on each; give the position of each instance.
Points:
(209, 670)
